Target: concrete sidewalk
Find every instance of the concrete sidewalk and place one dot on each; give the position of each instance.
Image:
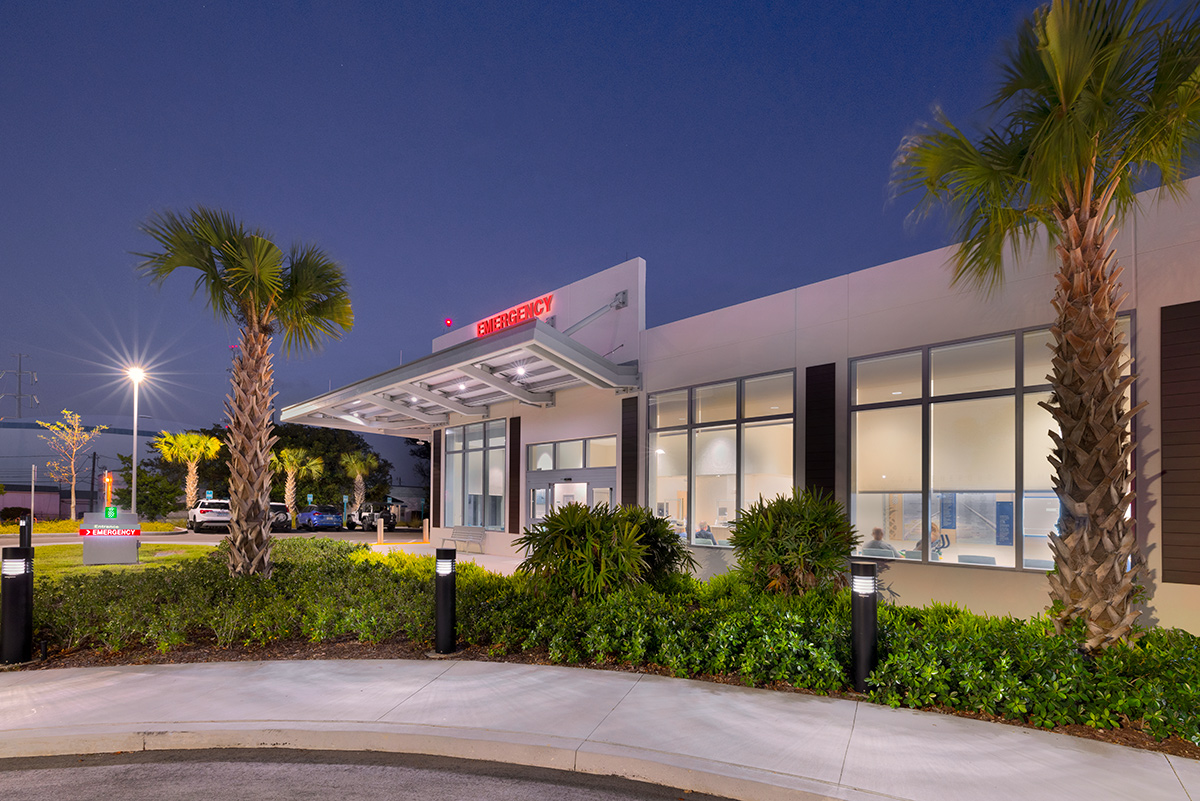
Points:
(728, 741)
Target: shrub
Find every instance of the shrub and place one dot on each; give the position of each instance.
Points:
(667, 555)
(794, 544)
(584, 551)
(12, 514)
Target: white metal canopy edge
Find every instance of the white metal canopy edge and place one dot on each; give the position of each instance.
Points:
(526, 363)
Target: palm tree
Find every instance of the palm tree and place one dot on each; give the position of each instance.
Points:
(190, 448)
(358, 466)
(1096, 95)
(295, 463)
(246, 278)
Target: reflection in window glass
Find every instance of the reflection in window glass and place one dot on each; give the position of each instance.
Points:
(602, 452)
(602, 496)
(541, 457)
(538, 503)
(453, 484)
(1037, 357)
(767, 450)
(668, 409)
(887, 450)
(768, 395)
(668, 476)
(714, 403)
(570, 455)
(972, 366)
(474, 478)
(1041, 518)
(714, 456)
(897, 515)
(973, 444)
(886, 480)
(473, 512)
(474, 435)
(972, 482)
(888, 378)
(495, 433)
(494, 511)
(1037, 444)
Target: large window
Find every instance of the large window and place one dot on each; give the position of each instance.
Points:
(475, 470)
(718, 447)
(950, 452)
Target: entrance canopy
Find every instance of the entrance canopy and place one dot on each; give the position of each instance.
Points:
(526, 363)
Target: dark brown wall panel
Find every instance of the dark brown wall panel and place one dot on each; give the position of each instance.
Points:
(514, 475)
(820, 425)
(435, 481)
(1180, 485)
(629, 451)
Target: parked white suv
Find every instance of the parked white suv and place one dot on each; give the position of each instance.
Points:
(208, 514)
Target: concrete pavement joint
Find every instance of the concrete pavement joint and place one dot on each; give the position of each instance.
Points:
(445, 667)
(1180, 778)
(849, 740)
(588, 738)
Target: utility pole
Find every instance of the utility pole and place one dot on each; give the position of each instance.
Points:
(19, 395)
(92, 496)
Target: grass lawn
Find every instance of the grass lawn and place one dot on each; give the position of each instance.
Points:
(57, 561)
(73, 526)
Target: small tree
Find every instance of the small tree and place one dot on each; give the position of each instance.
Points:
(190, 448)
(70, 440)
(358, 466)
(158, 495)
(295, 463)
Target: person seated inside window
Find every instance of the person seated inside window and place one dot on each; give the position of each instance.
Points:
(704, 535)
(877, 547)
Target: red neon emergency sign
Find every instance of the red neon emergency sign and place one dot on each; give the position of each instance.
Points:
(538, 307)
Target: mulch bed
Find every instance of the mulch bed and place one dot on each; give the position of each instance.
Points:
(1128, 735)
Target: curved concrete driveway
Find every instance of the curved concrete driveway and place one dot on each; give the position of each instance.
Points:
(727, 741)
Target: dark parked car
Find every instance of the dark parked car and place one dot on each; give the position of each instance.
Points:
(280, 519)
(323, 516)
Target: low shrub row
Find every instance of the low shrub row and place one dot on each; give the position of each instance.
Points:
(940, 656)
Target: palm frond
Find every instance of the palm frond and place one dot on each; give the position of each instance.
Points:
(314, 300)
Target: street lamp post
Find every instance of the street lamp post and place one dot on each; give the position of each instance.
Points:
(136, 374)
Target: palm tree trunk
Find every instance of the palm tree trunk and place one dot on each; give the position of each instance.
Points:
(250, 441)
(360, 492)
(1095, 550)
(192, 487)
(289, 495)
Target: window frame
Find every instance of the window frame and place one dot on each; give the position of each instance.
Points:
(690, 427)
(928, 400)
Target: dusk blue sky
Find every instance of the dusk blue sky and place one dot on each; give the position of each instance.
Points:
(455, 158)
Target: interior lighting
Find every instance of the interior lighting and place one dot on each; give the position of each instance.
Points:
(897, 392)
(660, 451)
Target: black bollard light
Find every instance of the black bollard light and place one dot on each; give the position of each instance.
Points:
(16, 605)
(443, 601)
(25, 531)
(864, 592)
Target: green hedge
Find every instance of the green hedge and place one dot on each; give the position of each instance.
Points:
(940, 656)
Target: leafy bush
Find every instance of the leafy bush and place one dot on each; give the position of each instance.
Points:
(11, 514)
(667, 554)
(940, 656)
(587, 551)
(791, 545)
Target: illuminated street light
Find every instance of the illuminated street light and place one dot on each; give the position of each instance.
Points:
(136, 374)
